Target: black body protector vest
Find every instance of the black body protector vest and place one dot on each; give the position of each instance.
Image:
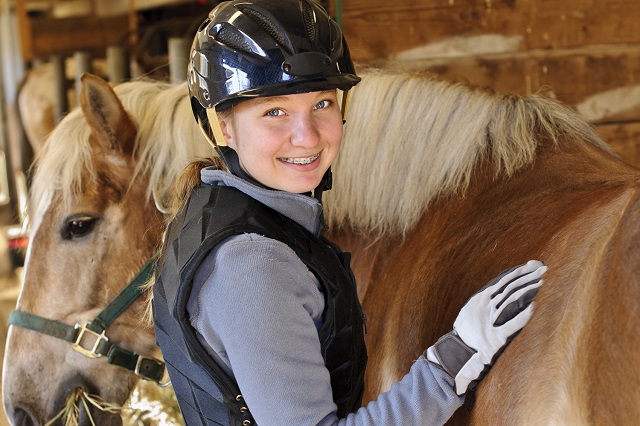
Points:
(210, 215)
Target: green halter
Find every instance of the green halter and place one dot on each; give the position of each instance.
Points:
(144, 367)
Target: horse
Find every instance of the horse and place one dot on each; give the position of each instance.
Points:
(36, 105)
(437, 188)
(98, 202)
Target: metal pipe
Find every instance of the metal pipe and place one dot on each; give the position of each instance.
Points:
(178, 59)
(117, 64)
(83, 64)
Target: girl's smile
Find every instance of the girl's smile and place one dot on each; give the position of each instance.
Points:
(302, 161)
(286, 142)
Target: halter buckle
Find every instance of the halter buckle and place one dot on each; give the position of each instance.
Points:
(148, 368)
(91, 353)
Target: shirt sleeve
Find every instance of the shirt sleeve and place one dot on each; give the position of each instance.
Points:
(258, 307)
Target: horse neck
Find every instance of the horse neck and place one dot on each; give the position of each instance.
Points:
(575, 211)
(559, 211)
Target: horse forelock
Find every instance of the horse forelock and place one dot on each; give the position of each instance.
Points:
(418, 138)
(167, 140)
(60, 164)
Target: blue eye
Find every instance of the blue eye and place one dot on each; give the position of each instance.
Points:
(274, 112)
(323, 104)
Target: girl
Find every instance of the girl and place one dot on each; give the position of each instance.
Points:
(255, 312)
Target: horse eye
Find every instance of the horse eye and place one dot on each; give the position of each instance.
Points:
(78, 226)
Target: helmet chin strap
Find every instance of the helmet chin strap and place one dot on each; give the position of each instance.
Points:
(213, 134)
(231, 160)
(344, 108)
(324, 185)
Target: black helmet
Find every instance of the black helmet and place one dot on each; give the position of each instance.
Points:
(252, 48)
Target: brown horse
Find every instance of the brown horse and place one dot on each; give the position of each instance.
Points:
(95, 224)
(438, 187)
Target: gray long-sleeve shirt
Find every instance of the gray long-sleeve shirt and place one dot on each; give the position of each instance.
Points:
(257, 307)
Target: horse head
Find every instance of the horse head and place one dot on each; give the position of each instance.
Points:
(93, 229)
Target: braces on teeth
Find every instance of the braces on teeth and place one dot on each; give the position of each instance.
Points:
(301, 160)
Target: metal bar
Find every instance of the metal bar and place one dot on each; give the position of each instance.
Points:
(117, 64)
(178, 58)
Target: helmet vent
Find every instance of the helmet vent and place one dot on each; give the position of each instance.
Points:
(309, 21)
(335, 33)
(232, 39)
(270, 26)
(204, 24)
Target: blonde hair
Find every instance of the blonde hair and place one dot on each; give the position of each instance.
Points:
(409, 139)
(189, 180)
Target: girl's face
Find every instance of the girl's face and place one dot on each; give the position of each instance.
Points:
(286, 142)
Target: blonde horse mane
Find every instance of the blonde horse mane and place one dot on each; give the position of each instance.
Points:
(410, 138)
(167, 140)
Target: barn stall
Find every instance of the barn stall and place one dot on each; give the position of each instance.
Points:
(584, 53)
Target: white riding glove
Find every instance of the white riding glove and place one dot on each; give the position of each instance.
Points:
(486, 324)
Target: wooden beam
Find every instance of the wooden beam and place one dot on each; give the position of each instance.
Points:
(65, 36)
(380, 28)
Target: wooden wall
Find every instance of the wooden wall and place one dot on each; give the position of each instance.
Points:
(586, 53)
(62, 27)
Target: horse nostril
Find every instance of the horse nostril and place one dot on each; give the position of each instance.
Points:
(23, 417)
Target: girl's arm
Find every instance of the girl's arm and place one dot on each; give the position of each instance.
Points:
(259, 309)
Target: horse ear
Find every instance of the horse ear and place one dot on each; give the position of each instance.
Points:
(109, 122)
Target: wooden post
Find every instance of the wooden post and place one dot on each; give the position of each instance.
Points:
(60, 102)
(24, 26)
(5, 197)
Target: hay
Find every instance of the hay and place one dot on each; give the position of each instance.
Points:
(70, 412)
(152, 405)
(149, 405)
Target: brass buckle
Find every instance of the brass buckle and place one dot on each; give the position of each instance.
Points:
(91, 353)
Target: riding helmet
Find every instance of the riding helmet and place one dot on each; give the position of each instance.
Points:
(254, 48)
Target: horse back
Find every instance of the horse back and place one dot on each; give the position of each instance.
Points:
(576, 209)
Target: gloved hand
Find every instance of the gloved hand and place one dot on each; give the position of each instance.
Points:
(486, 324)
